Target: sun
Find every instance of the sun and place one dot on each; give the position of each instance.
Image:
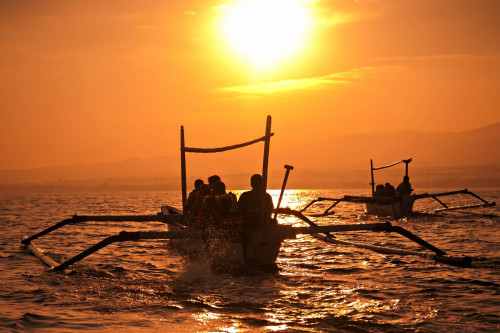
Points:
(266, 31)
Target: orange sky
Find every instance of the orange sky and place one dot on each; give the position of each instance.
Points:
(98, 81)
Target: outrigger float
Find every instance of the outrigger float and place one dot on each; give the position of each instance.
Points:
(259, 246)
(396, 206)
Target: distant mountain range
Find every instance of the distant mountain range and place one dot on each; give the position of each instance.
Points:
(440, 159)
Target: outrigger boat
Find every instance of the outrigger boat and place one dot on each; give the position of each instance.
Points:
(396, 206)
(258, 247)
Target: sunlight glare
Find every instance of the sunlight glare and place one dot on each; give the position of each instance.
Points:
(266, 31)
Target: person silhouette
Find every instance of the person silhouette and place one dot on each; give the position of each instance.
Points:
(404, 191)
(405, 187)
(389, 190)
(192, 194)
(212, 180)
(379, 191)
(249, 204)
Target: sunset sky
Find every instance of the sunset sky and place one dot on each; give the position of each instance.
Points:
(100, 81)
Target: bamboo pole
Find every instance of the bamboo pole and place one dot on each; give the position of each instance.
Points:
(183, 168)
(283, 186)
(265, 164)
(39, 254)
(373, 181)
(56, 226)
(476, 196)
(490, 204)
(222, 149)
(128, 236)
(387, 226)
(104, 218)
(393, 164)
(441, 194)
(442, 203)
(462, 261)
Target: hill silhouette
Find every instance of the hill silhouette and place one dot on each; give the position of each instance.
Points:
(440, 159)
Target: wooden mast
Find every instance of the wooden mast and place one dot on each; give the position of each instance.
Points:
(373, 181)
(183, 168)
(267, 142)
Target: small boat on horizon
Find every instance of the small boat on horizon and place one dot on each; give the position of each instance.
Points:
(396, 204)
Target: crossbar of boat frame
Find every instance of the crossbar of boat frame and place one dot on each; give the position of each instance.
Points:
(372, 168)
(266, 139)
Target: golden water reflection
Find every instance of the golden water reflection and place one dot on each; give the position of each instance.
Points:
(294, 199)
(329, 289)
(277, 328)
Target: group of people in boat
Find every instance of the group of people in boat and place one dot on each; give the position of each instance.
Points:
(210, 206)
(387, 190)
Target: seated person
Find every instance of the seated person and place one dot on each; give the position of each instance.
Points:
(212, 180)
(192, 194)
(249, 204)
(195, 212)
(389, 190)
(227, 208)
(379, 191)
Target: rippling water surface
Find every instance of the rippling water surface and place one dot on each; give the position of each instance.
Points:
(149, 285)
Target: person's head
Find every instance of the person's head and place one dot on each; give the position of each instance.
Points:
(219, 188)
(256, 181)
(212, 180)
(380, 187)
(387, 185)
(406, 179)
(197, 184)
(204, 189)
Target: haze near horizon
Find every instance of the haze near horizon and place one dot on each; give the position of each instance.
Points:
(94, 82)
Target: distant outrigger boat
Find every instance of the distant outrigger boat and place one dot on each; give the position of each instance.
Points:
(259, 246)
(396, 206)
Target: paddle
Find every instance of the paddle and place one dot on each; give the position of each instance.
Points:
(288, 168)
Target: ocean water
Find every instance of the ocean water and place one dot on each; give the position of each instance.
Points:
(151, 286)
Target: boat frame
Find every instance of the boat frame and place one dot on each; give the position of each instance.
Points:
(261, 245)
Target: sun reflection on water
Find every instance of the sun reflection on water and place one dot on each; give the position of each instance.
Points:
(294, 199)
(276, 328)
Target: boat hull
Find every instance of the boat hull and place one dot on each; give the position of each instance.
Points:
(223, 247)
(259, 246)
(398, 208)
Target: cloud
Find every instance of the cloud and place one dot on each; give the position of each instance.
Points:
(325, 82)
(270, 88)
(441, 57)
(328, 13)
(337, 18)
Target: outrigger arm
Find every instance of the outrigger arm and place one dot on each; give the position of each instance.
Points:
(167, 215)
(347, 198)
(315, 230)
(160, 217)
(125, 236)
(446, 208)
